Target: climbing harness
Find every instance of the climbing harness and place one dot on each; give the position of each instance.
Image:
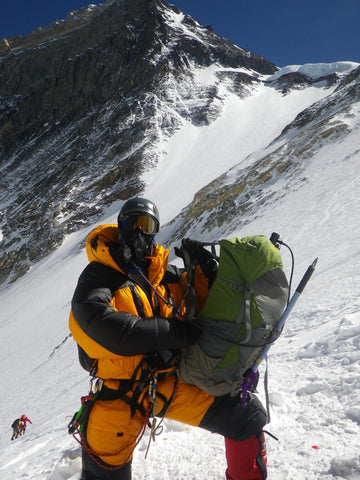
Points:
(188, 296)
(156, 430)
(140, 393)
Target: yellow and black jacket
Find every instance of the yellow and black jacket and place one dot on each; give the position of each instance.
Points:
(115, 319)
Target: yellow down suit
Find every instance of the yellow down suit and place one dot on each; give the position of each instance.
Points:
(120, 324)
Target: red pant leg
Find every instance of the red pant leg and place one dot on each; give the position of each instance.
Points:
(246, 459)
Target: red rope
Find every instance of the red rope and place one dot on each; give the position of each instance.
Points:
(95, 455)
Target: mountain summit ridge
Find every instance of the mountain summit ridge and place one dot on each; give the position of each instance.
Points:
(88, 104)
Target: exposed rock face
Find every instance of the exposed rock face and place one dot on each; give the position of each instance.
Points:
(79, 103)
(298, 80)
(109, 52)
(4, 46)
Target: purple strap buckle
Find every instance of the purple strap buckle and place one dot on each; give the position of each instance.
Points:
(250, 379)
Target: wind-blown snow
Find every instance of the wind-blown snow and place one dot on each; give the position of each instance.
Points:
(316, 70)
(314, 370)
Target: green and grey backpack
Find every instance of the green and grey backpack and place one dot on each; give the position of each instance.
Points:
(244, 304)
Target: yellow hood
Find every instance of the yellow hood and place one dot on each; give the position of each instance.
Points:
(97, 249)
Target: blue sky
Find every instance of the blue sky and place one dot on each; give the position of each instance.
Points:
(284, 31)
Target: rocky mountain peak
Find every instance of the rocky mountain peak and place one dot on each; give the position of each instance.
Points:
(88, 103)
(83, 102)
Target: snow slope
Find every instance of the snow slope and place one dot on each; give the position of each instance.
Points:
(314, 367)
(245, 126)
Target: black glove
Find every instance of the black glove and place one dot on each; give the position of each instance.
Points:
(162, 360)
(196, 250)
(192, 331)
(199, 256)
(171, 334)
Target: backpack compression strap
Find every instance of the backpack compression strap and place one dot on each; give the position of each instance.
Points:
(245, 305)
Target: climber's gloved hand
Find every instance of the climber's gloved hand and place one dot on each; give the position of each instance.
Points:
(162, 360)
(187, 334)
(170, 333)
(199, 256)
(192, 332)
(195, 249)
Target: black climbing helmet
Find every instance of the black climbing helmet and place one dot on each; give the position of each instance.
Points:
(139, 212)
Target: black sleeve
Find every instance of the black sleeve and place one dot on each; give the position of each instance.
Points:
(118, 331)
